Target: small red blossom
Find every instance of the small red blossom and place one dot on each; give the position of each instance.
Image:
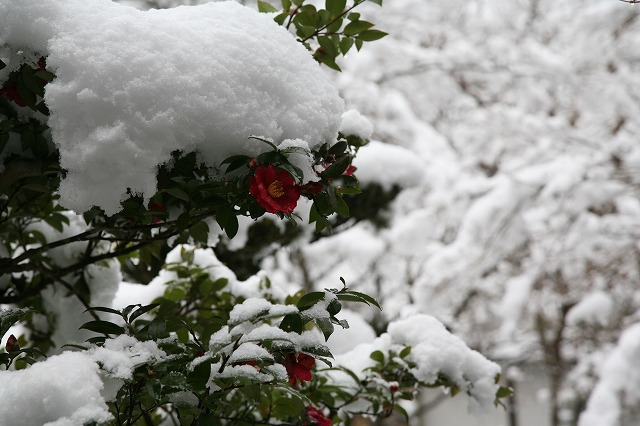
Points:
(156, 208)
(393, 387)
(199, 354)
(312, 188)
(10, 91)
(318, 417)
(298, 367)
(274, 189)
(12, 344)
(350, 170)
(253, 163)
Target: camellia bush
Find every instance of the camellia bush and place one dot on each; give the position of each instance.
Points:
(131, 142)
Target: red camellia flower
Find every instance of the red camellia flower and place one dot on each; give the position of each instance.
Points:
(299, 367)
(274, 189)
(12, 344)
(317, 416)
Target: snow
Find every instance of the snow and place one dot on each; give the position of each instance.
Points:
(202, 77)
(70, 389)
(70, 395)
(619, 381)
(359, 331)
(119, 356)
(254, 308)
(356, 124)
(595, 308)
(302, 161)
(434, 350)
(388, 166)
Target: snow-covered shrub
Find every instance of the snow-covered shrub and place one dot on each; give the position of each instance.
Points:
(131, 141)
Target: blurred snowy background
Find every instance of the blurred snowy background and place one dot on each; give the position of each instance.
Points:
(505, 180)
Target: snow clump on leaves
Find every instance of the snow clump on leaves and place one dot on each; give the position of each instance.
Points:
(132, 86)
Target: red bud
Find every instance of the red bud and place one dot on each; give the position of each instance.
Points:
(12, 344)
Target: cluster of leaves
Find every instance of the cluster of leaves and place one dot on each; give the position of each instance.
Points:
(328, 32)
(196, 306)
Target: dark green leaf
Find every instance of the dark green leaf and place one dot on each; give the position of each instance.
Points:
(367, 298)
(200, 232)
(142, 310)
(337, 168)
(178, 193)
(72, 345)
(310, 299)
(104, 327)
(2, 64)
(335, 7)
(10, 317)
(104, 309)
(198, 378)
(45, 75)
(292, 323)
(356, 27)
(371, 35)
(342, 208)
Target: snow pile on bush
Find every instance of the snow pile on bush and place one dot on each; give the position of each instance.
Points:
(132, 86)
(435, 351)
(68, 389)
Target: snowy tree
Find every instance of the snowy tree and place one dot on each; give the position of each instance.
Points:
(512, 203)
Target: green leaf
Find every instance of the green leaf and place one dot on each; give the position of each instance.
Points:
(198, 378)
(141, 311)
(334, 26)
(292, 323)
(335, 7)
(398, 408)
(371, 35)
(178, 193)
(310, 299)
(286, 5)
(405, 352)
(356, 27)
(200, 232)
(378, 2)
(2, 64)
(265, 7)
(354, 296)
(377, 356)
(326, 43)
(235, 162)
(326, 326)
(45, 75)
(504, 392)
(345, 45)
(104, 327)
(342, 208)
(337, 168)
(104, 309)
(10, 317)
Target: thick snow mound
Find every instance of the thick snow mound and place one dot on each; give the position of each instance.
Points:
(132, 86)
(63, 390)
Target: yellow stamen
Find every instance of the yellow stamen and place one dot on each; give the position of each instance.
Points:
(275, 189)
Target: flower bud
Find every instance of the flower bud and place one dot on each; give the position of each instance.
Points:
(12, 344)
